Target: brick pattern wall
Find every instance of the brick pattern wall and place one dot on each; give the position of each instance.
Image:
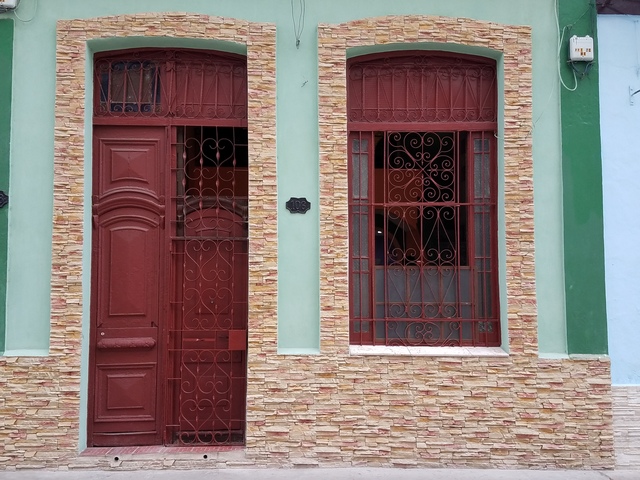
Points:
(427, 411)
(626, 426)
(332, 408)
(40, 407)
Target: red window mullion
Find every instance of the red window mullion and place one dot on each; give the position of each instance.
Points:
(471, 233)
(357, 202)
(458, 200)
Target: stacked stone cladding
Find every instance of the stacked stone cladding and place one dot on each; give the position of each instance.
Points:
(332, 408)
(626, 423)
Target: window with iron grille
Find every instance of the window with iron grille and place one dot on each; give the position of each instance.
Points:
(422, 210)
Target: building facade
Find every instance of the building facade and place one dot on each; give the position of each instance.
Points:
(308, 232)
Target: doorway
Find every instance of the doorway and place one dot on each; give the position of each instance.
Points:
(169, 257)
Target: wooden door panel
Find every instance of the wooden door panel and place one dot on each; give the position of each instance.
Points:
(129, 393)
(128, 298)
(129, 263)
(131, 163)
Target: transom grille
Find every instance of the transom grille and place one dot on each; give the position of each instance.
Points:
(171, 83)
(422, 88)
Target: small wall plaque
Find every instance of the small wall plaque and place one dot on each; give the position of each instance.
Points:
(4, 199)
(298, 205)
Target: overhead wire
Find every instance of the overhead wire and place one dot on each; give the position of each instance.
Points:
(299, 27)
(33, 15)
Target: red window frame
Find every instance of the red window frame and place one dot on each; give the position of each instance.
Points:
(418, 278)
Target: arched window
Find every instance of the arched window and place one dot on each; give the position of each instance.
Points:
(422, 201)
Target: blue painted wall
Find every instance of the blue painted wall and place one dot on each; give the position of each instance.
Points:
(619, 57)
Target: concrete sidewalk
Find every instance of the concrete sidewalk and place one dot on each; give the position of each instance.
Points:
(323, 474)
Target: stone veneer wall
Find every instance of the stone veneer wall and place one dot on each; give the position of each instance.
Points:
(331, 408)
(337, 408)
(626, 426)
(40, 406)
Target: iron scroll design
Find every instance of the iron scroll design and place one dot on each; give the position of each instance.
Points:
(298, 205)
(4, 199)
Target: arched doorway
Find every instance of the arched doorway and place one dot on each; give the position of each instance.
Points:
(169, 260)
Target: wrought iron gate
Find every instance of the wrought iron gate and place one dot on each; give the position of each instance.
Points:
(207, 343)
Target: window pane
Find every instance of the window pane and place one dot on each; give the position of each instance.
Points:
(364, 175)
(364, 235)
(355, 230)
(365, 296)
(355, 145)
(355, 291)
(355, 176)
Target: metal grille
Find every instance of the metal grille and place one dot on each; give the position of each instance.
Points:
(422, 211)
(207, 344)
(422, 87)
(171, 83)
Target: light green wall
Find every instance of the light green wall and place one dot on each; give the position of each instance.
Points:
(297, 149)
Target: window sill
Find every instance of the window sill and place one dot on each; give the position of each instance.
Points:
(427, 351)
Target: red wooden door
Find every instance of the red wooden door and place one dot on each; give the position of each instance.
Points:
(129, 262)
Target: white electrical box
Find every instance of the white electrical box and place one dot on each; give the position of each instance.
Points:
(581, 49)
(8, 5)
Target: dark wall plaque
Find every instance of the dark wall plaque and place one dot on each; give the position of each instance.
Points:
(298, 205)
(4, 199)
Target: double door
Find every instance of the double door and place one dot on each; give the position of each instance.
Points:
(169, 289)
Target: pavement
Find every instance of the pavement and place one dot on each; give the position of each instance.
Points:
(323, 474)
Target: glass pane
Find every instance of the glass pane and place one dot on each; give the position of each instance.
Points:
(359, 265)
(364, 235)
(365, 305)
(364, 175)
(355, 176)
(356, 302)
(465, 285)
(486, 179)
(355, 235)
(488, 298)
(355, 146)
(477, 176)
(482, 231)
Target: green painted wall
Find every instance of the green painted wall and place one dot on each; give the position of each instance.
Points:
(297, 150)
(6, 57)
(582, 191)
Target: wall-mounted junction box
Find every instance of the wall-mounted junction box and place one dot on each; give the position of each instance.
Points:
(8, 5)
(581, 49)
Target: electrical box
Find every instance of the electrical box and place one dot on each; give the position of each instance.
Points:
(581, 49)
(8, 5)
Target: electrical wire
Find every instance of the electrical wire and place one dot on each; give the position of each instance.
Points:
(297, 29)
(560, 40)
(33, 15)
